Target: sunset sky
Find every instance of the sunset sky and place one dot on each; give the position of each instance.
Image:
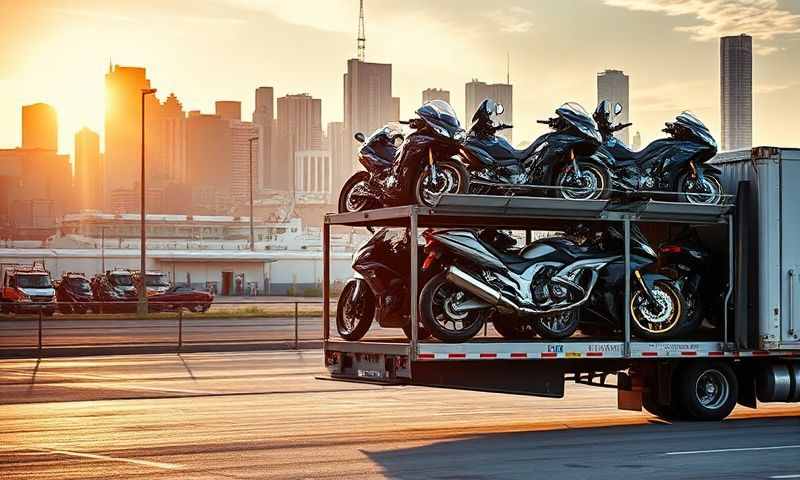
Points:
(206, 50)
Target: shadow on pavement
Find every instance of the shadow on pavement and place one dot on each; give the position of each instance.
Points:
(658, 450)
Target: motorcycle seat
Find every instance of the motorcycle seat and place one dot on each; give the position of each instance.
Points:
(515, 263)
(624, 155)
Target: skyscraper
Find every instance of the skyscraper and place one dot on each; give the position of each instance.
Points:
(368, 103)
(435, 94)
(637, 141)
(241, 133)
(264, 116)
(172, 151)
(503, 93)
(123, 129)
(340, 154)
(299, 128)
(736, 88)
(228, 109)
(39, 127)
(613, 85)
(208, 155)
(88, 170)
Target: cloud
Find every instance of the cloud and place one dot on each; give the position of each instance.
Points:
(767, 89)
(763, 19)
(512, 20)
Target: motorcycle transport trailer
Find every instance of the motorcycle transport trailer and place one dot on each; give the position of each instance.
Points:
(756, 352)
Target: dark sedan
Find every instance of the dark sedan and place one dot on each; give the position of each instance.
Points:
(180, 296)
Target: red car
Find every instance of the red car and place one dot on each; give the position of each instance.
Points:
(180, 296)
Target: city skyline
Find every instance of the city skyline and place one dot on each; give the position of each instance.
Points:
(672, 75)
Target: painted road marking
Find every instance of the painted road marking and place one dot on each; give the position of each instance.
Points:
(724, 450)
(797, 475)
(94, 456)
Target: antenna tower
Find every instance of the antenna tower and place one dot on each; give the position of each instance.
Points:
(362, 40)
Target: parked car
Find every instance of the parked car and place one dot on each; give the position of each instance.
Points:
(74, 293)
(178, 297)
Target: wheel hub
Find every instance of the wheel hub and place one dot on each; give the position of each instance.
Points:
(712, 389)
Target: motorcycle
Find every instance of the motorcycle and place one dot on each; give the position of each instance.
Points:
(691, 267)
(657, 305)
(561, 158)
(421, 168)
(544, 285)
(674, 164)
(379, 291)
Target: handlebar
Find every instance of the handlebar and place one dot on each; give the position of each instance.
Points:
(503, 126)
(543, 122)
(621, 126)
(404, 122)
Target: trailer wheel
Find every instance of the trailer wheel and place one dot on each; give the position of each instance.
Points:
(706, 390)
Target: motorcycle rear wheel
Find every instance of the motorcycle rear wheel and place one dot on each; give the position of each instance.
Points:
(353, 320)
(451, 177)
(435, 305)
(349, 204)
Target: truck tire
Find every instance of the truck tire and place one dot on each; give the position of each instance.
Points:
(706, 391)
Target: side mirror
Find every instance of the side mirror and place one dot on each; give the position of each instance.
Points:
(617, 109)
(499, 109)
(359, 136)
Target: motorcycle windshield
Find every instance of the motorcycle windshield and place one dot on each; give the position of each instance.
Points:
(485, 110)
(441, 117)
(576, 115)
(699, 130)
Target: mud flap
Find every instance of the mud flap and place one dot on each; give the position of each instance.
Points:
(629, 391)
(541, 379)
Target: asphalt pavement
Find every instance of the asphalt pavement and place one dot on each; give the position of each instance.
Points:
(266, 415)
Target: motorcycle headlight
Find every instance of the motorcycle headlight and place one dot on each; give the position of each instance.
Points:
(460, 135)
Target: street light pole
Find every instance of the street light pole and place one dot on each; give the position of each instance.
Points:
(252, 234)
(141, 309)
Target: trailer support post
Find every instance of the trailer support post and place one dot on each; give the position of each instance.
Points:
(414, 287)
(326, 279)
(730, 284)
(627, 326)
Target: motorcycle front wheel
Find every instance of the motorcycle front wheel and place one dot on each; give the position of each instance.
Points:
(451, 177)
(707, 192)
(594, 182)
(438, 306)
(349, 200)
(354, 314)
(664, 321)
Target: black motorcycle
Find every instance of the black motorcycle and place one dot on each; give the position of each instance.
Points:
(544, 285)
(417, 171)
(560, 160)
(674, 164)
(658, 308)
(379, 289)
(685, 260)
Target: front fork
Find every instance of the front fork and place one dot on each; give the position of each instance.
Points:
(697, 173)
(431, 168)
(647, 292)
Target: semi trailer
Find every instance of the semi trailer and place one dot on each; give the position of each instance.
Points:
(753, 354)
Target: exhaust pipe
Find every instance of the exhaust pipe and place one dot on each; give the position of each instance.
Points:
(495, 298)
